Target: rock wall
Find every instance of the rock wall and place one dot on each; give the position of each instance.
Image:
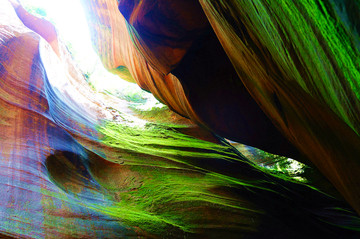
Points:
(251, 75)
(77, 164)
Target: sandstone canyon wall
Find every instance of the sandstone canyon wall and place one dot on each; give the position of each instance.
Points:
(261, 73)
(78, 164)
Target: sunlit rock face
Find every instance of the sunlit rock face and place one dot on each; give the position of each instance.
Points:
(78, 164)
(40, 117)
(202, 77)
(263, 73)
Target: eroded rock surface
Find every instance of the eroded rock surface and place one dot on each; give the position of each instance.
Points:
(303, 73)
(73, 164)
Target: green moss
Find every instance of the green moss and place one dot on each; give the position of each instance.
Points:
(179, 176)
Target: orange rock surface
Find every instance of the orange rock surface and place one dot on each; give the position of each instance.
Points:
(308, 95)
(78, 164)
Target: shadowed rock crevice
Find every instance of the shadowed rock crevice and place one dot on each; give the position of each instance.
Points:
(278, 75)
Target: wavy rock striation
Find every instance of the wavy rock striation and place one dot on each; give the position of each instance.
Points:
(73, 164)
(283, 77)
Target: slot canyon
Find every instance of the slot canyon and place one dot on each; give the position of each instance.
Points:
(253, 128)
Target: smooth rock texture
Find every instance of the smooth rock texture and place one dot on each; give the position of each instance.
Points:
(78, 164)
(203, 78)
(33, 131)
(289, 87)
